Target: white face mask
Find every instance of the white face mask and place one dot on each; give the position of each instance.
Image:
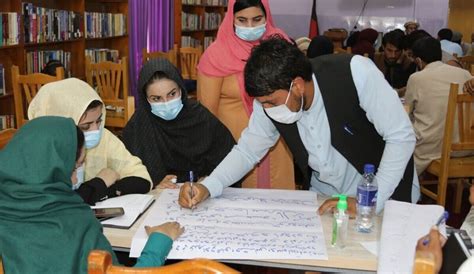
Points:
(283, 114)
(79, 177)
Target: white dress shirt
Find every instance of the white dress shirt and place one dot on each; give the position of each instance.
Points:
(451, 47)
(333, 174)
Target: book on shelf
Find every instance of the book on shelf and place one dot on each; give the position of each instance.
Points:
(101, 55)
(208, 41)
(100, 25)
(212, 20)
(134, 205)
(205, 2)
(36, 60)
(188, 41)
(9, 30)
(2, 80)
(7, 121)
(50, 25)
(191, 21)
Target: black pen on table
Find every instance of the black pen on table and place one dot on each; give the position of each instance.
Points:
(441, 219)
(191, 179)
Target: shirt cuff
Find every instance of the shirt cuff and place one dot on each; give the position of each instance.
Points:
(155, 251)
(214, 187)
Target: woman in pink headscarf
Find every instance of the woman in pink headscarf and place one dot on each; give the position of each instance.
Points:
(221, 84)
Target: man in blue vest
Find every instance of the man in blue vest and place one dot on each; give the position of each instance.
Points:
(335, 112)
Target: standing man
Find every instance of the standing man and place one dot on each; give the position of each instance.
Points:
(335, 112)
(411, 26)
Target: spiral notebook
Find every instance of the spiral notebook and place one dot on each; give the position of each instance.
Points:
(134, 206)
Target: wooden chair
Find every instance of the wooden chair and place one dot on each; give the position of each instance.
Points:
(100, 262)
(111, 80)
(447, 167)
(189, 59)
(171, 55)
(5, 136)
(467, 62)
(25, 88)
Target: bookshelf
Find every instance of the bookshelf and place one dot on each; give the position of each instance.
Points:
(76, 44)
(197, 21)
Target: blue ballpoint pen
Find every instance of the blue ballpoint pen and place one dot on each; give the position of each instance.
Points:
(441, 219)
(191, 179)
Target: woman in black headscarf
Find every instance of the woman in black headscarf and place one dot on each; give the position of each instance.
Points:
(171, 134)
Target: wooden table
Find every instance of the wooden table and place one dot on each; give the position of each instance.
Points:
(353, 257)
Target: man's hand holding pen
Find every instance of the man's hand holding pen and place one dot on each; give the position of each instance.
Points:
(190, 197)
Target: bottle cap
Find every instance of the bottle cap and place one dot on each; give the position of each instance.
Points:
(342, 203)
(369, 168)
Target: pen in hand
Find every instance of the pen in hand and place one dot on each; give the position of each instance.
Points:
(441, 220)
(191, 179)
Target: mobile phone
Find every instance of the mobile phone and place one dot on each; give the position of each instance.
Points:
(101, 213)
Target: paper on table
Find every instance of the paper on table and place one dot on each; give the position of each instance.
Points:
(371, 246)
(133, 205)
(242, 224)
(403, 224)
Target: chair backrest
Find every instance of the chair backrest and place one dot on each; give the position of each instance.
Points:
(5, 136)
(171, 55)
(466, 61)
(25, 88)
(111, 81)
(100, 262)
(460, 106)
(189, 59)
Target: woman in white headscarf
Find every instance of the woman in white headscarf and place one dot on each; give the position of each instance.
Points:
(109, 170)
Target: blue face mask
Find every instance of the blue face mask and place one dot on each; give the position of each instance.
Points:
(79, 177)
(250, 34)
(92, 138)
(167, 110)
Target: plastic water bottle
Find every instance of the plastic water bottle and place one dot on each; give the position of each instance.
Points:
(339, 223)
(366, 200)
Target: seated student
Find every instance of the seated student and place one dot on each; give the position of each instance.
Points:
(303, 43)
(331, 139)
(395, 66)
(427, 97)
(171, 133)
(44, 226)
(50, 67)
(434, 247)
(320, 45)
(109, 170)
(445, 36)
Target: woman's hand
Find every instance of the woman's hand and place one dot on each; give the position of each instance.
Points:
(168, 182)
(170, 229)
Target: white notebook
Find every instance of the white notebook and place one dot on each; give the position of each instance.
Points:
(403, 224)
(133, 205)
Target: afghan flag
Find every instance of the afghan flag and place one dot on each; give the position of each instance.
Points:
(313, 24)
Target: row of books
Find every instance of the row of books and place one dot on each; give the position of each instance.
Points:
(212, 20)
(9, 32)
(50, 25)
(2, 80)
(36, 60)
(205, 2)
(99, 25)
(101, 55)
(192, 21)
(7, 121)
(188, 41)
(208, 41)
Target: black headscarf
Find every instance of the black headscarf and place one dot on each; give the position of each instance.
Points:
(194, 141)
(320, 45)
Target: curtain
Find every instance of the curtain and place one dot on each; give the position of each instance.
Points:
(151, 27)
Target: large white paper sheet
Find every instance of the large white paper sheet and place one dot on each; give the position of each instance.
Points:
(242, 224)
